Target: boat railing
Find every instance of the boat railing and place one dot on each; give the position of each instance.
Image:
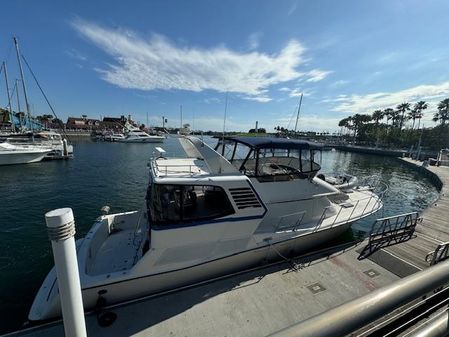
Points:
(167, 169)
(366, 204)
(361, 208)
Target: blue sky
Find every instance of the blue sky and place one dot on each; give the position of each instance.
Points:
(121, 57)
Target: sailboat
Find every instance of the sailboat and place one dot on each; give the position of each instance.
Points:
(27, 135)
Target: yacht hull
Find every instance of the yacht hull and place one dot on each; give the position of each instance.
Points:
(21, 158)
(144, 140)
(47, 306)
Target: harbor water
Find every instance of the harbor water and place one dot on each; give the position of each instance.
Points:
(116, 174)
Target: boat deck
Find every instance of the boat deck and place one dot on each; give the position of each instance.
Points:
(115, 254)
(263, 301)
(180, 167)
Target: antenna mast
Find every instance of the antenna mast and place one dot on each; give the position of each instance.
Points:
(16, 43)
(224, 123)
(297, 115)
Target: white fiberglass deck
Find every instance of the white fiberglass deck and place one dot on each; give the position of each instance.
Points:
(117, 253)
(180, 167)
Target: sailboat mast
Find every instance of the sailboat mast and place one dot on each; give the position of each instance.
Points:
(297, 115)
(180, 109)
(16, 43)
(18, 102)
(11, 116)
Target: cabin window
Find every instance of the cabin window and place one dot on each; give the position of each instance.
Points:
(272, 164)
(184, 204)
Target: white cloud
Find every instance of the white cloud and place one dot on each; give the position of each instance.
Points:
(254, 40)
(212, 100)
(285, 89)
(260, 99)
(292, 8)
(157, 63)
(76, 55)
(297, 92)
(316, 75)
(338, 83)
(431, 93)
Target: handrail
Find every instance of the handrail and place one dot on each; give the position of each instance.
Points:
(440, 253)
(357, 313)
(189, 168)
(338, 217)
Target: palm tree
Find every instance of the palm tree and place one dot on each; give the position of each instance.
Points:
(443, 112)
(346, 123)
(402, 109)
(389, 113)
(417, 112)
(358, 121)
(377, 116)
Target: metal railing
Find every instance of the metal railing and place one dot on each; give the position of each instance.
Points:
(441, 253)
(389, 231)
(361, 208)
(179, 169)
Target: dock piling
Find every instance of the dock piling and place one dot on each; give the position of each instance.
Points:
(61, 231)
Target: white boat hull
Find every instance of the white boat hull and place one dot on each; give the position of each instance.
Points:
(47, 306)
(142, 140)
(21, 158)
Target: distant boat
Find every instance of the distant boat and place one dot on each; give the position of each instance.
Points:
(135, 135)
(13, 154)
(48, 140)
(114, 137)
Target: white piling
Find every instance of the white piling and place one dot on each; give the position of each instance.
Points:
(65, 149)
(61, 231)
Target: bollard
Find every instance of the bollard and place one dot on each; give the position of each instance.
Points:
(61, 231)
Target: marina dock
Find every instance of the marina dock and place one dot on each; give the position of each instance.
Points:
(267, 299)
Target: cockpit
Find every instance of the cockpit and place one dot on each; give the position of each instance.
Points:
(271, 159)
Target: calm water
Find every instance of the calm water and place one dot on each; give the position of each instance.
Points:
(116, 174)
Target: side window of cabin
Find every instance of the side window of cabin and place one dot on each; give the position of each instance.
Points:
(184, 204)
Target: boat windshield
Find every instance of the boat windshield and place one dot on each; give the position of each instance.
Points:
(270, 163)
(183, 205)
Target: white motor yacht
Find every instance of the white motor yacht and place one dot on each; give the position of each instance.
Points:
(13, 154)
(247, 202)
(114, 137)
(135, 135)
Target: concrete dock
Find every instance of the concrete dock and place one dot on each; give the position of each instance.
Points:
(266, 300)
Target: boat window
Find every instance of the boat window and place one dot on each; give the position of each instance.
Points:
(183, 205)
(272, 164)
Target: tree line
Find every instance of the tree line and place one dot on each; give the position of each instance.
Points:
(388, 127)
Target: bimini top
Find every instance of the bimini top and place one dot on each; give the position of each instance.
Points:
(274, 142)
